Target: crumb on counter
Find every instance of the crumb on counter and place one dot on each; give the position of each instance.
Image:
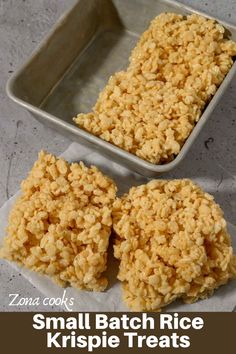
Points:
(151, 108)
(172, 242)
(61, 223)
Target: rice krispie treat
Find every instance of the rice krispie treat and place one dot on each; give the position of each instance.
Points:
(61, 223)
(172, 242)
(151, 108)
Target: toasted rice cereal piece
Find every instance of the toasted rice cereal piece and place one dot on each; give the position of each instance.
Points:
(151, 108)
(61, 223)
(172, 242)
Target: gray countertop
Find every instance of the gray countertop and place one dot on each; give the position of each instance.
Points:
(23, 23)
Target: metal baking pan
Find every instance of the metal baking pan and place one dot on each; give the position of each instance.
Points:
(90, 42)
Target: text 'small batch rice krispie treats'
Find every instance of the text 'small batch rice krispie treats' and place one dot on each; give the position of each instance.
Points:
(151, 108)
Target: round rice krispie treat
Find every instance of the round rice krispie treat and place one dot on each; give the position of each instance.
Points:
(172, 242)
(61, 223)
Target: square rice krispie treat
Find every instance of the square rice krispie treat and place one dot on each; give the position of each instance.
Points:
(172, 242)
(61, 223)
(150, 108)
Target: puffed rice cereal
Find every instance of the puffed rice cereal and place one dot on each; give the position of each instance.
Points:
(151, 108)
(172, 242)
(61, 223)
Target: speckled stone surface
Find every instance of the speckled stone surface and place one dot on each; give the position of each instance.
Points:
(23, 23)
